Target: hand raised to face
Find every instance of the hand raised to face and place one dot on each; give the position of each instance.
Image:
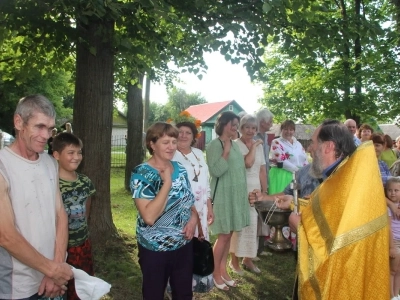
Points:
(166, 174)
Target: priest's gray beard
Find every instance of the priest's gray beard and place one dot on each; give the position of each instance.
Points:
(316, 166)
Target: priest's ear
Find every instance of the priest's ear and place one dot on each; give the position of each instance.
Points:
(329, 147)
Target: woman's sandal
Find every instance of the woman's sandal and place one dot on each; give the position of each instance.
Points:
(231, 282)
(239, 272)
(223, 286)
(253, 269)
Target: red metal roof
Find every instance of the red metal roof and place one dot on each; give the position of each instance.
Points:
(205, 111)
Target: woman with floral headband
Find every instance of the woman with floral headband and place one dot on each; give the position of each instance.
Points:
(193, 161)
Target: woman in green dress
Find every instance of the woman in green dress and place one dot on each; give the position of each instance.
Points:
(229, 192)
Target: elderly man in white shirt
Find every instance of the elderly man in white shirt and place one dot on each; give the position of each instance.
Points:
(352, 127)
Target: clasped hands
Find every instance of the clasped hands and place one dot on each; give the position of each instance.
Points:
(56, 285)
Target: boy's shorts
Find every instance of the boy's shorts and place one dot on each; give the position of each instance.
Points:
(79, 257)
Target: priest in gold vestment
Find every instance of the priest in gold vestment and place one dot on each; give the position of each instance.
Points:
(343, 233)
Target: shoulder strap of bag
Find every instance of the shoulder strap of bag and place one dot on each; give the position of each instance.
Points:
(216, 184)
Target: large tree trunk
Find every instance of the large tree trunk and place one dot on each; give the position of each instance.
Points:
(134, 149)
(93, 107)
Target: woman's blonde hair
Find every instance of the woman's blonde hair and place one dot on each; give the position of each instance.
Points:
(394, 179)
(247, 119)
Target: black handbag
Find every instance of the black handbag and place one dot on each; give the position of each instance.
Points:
(203, 258)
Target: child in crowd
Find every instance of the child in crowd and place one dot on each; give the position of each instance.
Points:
(393, 194)
(76, 190)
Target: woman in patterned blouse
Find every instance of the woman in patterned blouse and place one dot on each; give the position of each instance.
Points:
(166, 220)
(289, 155)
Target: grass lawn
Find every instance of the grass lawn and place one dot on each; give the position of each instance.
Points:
(117, 261)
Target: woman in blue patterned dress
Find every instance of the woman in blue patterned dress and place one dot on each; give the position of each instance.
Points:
(166, 221)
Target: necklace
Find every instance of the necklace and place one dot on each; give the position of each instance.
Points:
(195, 178)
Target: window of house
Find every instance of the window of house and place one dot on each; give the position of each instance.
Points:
(230, 107)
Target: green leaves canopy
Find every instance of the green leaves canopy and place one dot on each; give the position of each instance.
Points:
(339, 63)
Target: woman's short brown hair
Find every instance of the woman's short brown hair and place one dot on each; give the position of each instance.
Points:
(364, 126)
(158, 130)
(378, 138)
(193, 129)
(223, 119)
(288, 124)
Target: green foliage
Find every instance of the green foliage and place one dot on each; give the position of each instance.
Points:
(31, 60)
(157, 113)
(179, 100)
(55, 86)
(339, 63)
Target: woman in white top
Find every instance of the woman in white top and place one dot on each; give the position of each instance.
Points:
(289, 155)
(244, 242)
(193, 161)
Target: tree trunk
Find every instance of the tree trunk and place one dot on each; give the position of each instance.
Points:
(93, 107)
(397, 14)
(358, 97)
(345, 58)
(134, 149)
(146, 104)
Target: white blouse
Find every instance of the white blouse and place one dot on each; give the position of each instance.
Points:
(292, 155)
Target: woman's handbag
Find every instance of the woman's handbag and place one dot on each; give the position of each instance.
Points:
(203, 262)
(203, 258)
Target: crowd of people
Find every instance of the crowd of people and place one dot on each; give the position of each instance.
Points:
(240, 174)
(347, 215)
(238, 177)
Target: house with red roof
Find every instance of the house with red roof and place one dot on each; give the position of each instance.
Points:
(208, 113)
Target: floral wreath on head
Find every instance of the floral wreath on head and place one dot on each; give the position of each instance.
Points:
(185, 116)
